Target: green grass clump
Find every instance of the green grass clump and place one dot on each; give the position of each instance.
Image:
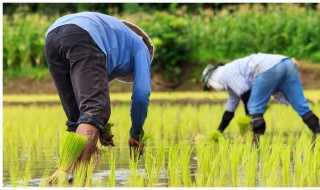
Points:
(244, 125)
(71, 148)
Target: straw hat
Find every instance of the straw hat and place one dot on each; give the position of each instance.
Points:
(146, 39)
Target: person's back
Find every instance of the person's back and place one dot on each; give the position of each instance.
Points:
(119, 43)
(254, 64)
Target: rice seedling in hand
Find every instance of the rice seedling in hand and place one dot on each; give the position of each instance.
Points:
(137, 147)
(106, 138)
(70, 149)
(244, 125)
(215, 136)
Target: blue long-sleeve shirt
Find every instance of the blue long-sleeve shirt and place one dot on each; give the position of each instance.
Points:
(126, 54)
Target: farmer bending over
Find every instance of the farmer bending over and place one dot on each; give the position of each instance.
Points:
(84, 51)
(264, 75)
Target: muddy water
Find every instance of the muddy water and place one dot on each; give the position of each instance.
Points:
(46, 164)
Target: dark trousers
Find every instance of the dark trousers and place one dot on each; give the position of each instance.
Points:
(78, 68)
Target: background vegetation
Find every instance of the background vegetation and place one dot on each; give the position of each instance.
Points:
(185, 35)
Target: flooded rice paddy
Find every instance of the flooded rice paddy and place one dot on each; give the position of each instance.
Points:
(179, 153)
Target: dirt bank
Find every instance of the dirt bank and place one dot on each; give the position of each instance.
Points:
(310, 77)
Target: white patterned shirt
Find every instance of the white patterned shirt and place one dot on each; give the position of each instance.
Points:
(238, 76)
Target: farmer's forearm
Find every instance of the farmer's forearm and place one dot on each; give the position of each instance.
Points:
(139, 109)
(245, 98)
(226, 118)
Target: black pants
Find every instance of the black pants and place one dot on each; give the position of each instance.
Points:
(78, 68)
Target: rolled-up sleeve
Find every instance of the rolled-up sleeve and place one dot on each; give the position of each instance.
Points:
(140, 93)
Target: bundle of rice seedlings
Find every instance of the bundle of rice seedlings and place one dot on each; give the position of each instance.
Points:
(215, 136)
(145, 138)
(244, 125)
(70, 149)
(108, 128)
(106, 138)
(137, 152)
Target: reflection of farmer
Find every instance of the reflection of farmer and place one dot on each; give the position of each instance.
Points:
(84, 51)
(254, 79)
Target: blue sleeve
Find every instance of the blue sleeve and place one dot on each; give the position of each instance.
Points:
(140, 93)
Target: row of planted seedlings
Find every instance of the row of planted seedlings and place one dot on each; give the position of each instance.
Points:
(179, 152)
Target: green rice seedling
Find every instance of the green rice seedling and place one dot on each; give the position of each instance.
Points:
(244, 125)
(71, 148)
(312, 170)
(185, 164)
(112, 166)
(214, 163)
(90, 168)
(316, 160)
(250, 162)
(134, 180)
(300, 176)
(271, 167)
(224, 165)
(160, 161)
(28, 173)
(174, 165)
(286, 163)
(207, 164)
(212, 178)
(14, 165)
(153, 164)
(234, 159)
(149, 166)
(188, 122)
(83, 173)
(80, 175)
(136, 151)
(145, 138)
(203, 163)
(215, 136)
(44, 178)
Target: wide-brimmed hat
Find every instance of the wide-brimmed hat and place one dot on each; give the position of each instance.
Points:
(146, 39)
(207, 73)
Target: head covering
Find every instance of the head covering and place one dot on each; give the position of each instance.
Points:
(215, 81)
(206, 74)
(146, 39)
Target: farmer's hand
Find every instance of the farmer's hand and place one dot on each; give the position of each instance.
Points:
(106, 140)
(136, 145)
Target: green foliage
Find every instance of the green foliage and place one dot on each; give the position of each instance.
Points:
(24, 37)
(170, 35)
(182, 38)
(35, 73)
